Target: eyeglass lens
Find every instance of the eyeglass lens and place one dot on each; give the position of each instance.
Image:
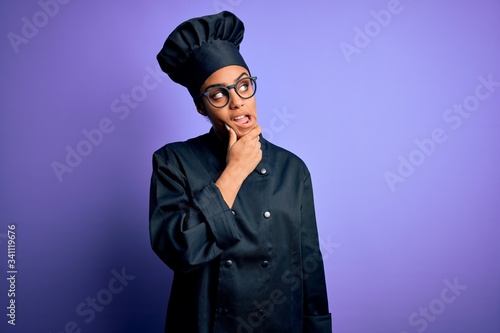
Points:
(219, 96)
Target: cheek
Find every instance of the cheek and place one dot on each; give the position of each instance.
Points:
(216, 119)
(252, 105)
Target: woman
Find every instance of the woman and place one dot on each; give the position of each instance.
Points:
(230, 213)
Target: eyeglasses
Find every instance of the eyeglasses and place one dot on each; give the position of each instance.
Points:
(218, 96)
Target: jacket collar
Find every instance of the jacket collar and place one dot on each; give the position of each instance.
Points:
(218, 150)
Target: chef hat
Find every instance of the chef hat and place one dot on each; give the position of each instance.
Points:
(199, 47)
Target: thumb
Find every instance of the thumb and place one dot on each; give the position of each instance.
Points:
(232, 136)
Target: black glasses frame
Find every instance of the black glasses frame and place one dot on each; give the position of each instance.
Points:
(206, 94)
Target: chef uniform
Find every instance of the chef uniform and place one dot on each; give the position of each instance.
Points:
(254, 267)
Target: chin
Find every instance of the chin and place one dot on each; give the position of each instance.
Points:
(242, 132)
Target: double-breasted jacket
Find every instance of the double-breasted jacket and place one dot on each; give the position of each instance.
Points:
(254, 267)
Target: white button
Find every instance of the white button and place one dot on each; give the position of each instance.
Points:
(267, 214)
(263, 171)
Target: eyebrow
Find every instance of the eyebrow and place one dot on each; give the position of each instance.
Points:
(222, 85)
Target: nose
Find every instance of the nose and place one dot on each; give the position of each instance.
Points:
(235, 101)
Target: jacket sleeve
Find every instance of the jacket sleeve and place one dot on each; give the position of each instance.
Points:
(188, 226)
(317, 318)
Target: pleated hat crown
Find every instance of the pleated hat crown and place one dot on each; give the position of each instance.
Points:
(200, 46)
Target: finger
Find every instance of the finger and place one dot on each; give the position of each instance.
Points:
(253, 134)
(232, 136)
(257, 130)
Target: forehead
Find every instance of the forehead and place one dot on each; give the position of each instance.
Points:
(225, 76)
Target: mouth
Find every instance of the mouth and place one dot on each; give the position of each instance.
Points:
(242, 120)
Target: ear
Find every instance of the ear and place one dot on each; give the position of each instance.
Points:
(200, 107)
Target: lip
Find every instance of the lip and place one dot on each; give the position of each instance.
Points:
(244, 125)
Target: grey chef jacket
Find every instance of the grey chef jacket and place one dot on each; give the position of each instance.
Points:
(254, 268)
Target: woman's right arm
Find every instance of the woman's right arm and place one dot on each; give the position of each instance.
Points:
(187, 229)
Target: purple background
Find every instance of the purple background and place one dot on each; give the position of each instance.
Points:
(392, 248)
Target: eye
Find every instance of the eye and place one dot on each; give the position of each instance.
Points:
(243, 86)
(216, 94)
